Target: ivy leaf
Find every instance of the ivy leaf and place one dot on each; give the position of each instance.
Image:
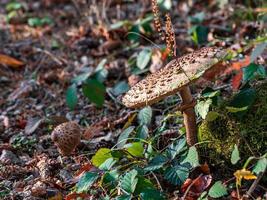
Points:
(235, 155)
(86, 181)
(156, 163)
(124, 135)
(71, 96)
(129, 181)
(145, 115)
(202, 107)
(94, 91)
(101, 156)
(135, 149)
(143, 58)
(192, 157)
(177, 174)
(218, 190)
(260, 166)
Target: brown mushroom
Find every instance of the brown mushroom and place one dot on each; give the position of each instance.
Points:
(175, 77)
(66, 137)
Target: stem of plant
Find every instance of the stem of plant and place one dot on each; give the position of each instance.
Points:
(189, 117)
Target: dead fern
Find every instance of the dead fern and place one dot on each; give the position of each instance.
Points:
(170, 36)
(157, 21)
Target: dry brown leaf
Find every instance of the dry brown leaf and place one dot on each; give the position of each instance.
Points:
(9, 61)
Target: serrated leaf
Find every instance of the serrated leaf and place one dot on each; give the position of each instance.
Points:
(218, 190)
(101, 156)
(135, 149)
(120, 88)
(86, 181)
(176, 148)
(258, 51)
(143, 184)
(145, 115)
(142, 132)
(143, 58)
(111, 178)
(129, 181)
(202, 107)
(235, 155)
(124, 197)
(151, 194)
(192, 157)
(94, 91)
(260, 166)
(107, 165)
(176, 175)
(71, 96)
(156, 163)
(124, 135)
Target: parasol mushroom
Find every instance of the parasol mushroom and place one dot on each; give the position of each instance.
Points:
(175, 77)
(67, 136)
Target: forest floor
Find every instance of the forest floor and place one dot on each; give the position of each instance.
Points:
(53, 45)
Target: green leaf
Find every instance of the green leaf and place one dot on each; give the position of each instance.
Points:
(145, 115)
(13, 6)
(245, 98)
(94, 91)
(235, 110)
(151, 194)
(176, 148)
(143, 58)
(202, 107)
(135, 149)
(120, 88)
(129, 181)
(218, 190)
(192, 157)
(258, 51)
(124, 197)
(252, 71)
(86, 181)
(107, 165)
(142, 132)
(143, 184)
(156, 163)
(81, 78)
(124, 135)
(110, 179)
(235, 155)
(71, 96)
(203, 196)
(176, 175)
(260, 166)
(211, 116)
(101, 156)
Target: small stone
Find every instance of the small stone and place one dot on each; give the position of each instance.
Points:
(8, 157)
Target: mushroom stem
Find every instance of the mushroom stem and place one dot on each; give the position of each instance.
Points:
(189, 117)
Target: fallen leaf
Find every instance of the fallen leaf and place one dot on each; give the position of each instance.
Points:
(74, 196)
(243, 174)
(32, 125)
(236, 81)
(12, 62)
(238, 65)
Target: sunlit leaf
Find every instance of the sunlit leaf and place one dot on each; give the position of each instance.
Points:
(135, 149)
(260, 166)
(192, 157)
(143, 58)
(235, 155)
(202, 107)
(218, 190)
(101, 156)
(243, 174)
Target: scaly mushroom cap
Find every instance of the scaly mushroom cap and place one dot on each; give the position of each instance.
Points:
(175, 75)
(66, 137)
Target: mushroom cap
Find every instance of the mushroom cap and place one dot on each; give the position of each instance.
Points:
(67, 136)
(175, 75)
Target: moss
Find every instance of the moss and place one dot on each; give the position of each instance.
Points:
(250, 133)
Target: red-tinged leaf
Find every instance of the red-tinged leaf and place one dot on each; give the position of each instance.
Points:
(236, 81)
(74, 196)
(85, 168)
(12, 62)
(238, 65)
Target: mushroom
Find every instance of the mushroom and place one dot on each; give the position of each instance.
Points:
(175, 77)
(67, 136)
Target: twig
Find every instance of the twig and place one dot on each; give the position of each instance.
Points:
(254, 184)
